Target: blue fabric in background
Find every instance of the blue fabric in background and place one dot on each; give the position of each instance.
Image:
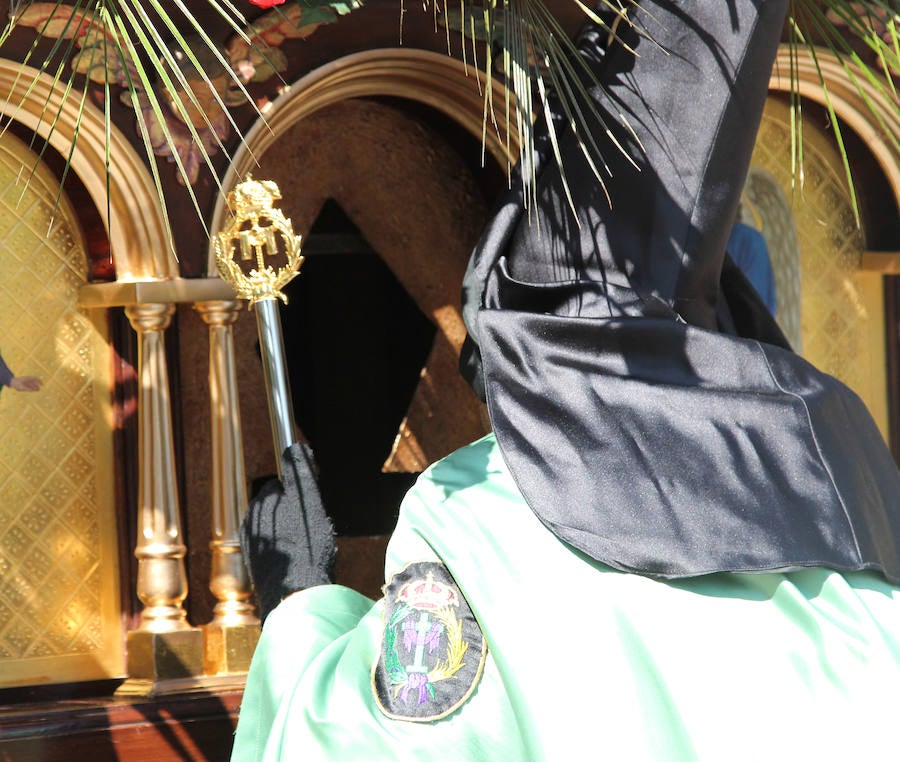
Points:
(747, 248)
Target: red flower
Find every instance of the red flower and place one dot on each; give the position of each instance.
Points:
(266, 3)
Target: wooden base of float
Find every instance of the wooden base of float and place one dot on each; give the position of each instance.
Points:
(197, 726)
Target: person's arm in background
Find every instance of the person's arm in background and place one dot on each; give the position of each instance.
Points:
(19, 383)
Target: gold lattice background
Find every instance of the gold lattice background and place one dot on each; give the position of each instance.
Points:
(57, 565)
(838, 324)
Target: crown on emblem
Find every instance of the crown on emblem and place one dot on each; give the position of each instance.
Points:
(427, 594)
(254, 197)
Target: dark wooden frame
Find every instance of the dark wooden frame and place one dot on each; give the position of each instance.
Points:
(193, 727)
(892, 325)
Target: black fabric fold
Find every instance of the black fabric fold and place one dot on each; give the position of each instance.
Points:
(661, 448)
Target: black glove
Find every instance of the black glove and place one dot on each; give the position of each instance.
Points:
(286, 536)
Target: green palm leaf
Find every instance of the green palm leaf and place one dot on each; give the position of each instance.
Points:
(118, 43)
(538, 57)
(840, 27)
(171, 71)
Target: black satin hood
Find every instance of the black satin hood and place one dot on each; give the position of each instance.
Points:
(648, 408)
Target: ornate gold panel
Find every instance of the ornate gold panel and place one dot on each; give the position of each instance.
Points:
(59, 610)
(830, 309)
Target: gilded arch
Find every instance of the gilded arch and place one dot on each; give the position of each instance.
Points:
(137, 229)
(849, 103)
(430, 78)
(431, 428)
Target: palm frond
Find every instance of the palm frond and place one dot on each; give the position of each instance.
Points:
(526, 46)
(537, 57)
(121, 44)
(182, 84)
(848, 30)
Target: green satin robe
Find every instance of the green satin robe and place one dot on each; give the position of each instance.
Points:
(583, 662)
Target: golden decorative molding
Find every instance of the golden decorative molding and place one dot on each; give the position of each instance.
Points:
(141, 248)
(169, 291)
(435, 79)
(884, 262)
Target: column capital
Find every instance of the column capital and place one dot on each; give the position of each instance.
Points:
(146, 318)
(219, 312)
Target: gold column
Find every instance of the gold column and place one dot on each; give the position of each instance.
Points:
(164, 647)
(232, 634)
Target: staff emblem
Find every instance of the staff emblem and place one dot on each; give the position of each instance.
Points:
(261, 234)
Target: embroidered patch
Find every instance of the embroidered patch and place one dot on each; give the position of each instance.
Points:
(432, 649)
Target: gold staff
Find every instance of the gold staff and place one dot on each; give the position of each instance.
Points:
(260, 233)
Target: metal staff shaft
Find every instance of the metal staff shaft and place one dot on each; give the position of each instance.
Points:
(278, 395)
(258, 232)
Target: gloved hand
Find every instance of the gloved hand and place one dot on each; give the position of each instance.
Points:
(286, 536)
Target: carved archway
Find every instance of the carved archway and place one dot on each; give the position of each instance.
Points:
(136, 226)
(438, 420)
(436, 80)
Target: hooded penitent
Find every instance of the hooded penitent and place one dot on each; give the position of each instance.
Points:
(650, 412)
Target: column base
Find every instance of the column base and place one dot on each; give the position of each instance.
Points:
(228, 648)
(161, 656)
